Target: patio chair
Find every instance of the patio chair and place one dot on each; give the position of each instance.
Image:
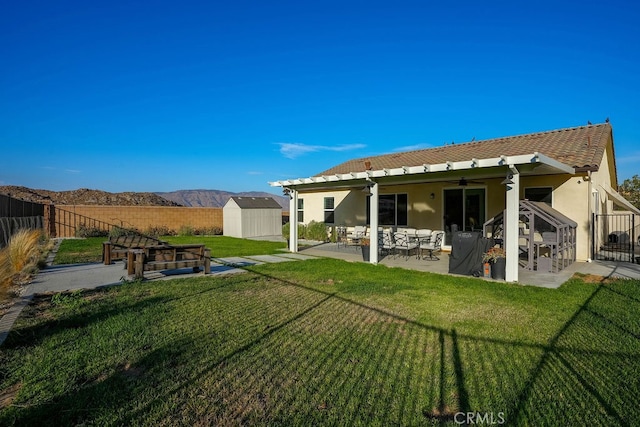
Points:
(359, 232)
(341, 235)
(434, 245)
(404, 242)
(409, 230)
(386, 244)
(423, 234)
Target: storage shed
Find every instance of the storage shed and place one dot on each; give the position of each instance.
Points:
(252, 217)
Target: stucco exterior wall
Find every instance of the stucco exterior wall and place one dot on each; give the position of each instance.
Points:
(604, 177)
(349, 206)
(424, 211)
(571, 197)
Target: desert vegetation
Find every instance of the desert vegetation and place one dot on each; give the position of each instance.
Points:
(84, 231)
(19, 260)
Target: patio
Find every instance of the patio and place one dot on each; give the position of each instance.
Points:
(353, 253)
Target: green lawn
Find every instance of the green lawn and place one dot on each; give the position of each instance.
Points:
(90, 249)
(73, 251)
(326, 342)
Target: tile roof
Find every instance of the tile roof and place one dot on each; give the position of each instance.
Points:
(579, 147)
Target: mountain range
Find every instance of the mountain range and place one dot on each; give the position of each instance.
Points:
(215, 198)
(85, 196)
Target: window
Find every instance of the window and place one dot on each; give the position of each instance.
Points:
(539, 194)
(300, 210)
(392, 209)
(329, 210)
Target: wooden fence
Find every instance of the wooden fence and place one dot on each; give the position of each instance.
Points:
(16, 214)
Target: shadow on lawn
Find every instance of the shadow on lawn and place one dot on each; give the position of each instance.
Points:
(582, 359)
(576, 365)
(327, 359)
(31, 336)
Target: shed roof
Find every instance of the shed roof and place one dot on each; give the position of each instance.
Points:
(579, 147)
(256, 202)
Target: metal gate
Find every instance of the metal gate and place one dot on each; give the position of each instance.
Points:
(613, 237)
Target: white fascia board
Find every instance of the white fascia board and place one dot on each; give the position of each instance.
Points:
(473, 163)
(554, 163)
(536, 157)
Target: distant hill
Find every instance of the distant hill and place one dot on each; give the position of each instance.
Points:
(85, 196)
(215, 198)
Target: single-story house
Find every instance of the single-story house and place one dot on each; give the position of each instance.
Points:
(252, 217)
(462, 186)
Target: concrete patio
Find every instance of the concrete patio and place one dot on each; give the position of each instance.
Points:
(353, 253)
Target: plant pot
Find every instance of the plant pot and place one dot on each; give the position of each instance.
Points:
(366, 250)
(498, 269)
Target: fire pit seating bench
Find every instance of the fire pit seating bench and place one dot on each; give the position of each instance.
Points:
(117, 247)
(168, 257)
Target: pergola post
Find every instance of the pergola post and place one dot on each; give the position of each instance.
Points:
(373, 215)
(511, 219)
(293, 220)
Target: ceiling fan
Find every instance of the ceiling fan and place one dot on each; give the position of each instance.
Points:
(463, 182)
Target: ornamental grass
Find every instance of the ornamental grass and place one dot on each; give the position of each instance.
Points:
(19, 259)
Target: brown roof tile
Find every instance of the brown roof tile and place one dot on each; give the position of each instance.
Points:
(579, 147)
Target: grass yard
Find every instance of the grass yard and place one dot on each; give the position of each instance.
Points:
(73, 251)
(90, 249)
(326, 342)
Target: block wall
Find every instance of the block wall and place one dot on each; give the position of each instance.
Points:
(139, 217)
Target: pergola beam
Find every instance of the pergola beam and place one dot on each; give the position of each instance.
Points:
(449, 166)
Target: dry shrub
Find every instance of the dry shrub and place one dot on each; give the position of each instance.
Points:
(20, 255)
(6, 278)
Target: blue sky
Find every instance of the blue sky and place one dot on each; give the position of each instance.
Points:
(163, 96)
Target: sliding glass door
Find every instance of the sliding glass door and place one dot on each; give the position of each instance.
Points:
(464, 210)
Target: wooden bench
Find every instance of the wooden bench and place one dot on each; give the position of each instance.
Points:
(168, 257)
(118, 247)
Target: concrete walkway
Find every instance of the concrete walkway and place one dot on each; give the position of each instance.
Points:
(606, 269)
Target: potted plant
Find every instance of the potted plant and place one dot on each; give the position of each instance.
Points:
(365, 245)
(497, 257)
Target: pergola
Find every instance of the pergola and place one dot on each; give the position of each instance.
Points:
(511, 168)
